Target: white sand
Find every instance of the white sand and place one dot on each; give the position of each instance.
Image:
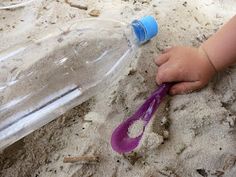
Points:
(136, 128)
(198, 137)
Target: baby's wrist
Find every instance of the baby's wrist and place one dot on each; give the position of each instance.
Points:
(203, 51)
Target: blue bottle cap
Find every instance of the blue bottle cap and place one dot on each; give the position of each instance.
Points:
(145, 28)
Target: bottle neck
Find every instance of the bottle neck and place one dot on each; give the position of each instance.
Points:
(139, 32)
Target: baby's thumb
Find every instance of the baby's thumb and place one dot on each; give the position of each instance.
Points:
(185, 87)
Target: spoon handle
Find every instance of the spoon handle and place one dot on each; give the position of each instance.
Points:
(153, 101)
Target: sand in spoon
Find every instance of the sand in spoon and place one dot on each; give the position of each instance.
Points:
(136, 128)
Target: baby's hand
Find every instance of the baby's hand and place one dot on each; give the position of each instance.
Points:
(189, 67)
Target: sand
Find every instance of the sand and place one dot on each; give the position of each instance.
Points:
(191, 135)
(136, 128)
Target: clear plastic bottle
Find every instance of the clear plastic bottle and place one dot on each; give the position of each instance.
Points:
(42, 79)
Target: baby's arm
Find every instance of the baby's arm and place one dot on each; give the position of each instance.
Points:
(192, 68)
(221, 47)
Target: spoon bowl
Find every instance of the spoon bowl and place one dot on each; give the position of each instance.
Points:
(120, 140)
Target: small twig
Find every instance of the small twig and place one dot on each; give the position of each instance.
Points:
(94, 13)
(79, 6)
(81, 159)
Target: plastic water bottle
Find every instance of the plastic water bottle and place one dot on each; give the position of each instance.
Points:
(40, 80)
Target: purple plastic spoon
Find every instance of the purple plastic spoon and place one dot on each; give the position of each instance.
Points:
(120, 140)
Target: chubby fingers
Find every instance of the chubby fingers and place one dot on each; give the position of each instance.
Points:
(163, 58)
(169, 72)
(186, 87)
